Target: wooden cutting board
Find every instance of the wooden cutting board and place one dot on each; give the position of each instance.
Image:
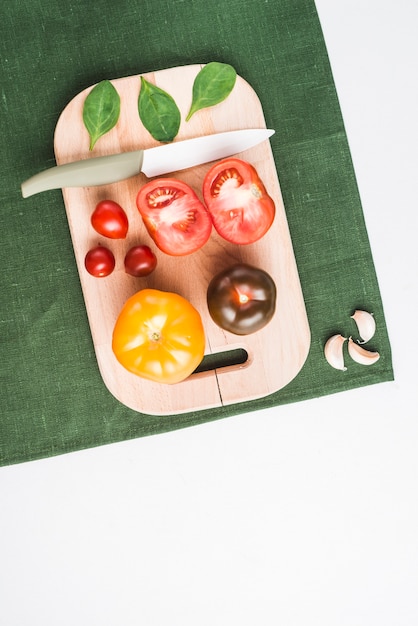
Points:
(277, 352)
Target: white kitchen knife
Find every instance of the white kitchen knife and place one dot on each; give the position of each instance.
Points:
(156, 161)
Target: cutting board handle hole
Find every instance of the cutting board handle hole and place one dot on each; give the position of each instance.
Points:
(226, 358)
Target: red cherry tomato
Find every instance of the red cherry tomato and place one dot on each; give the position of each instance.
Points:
(99, 262)
(242, 299)
(241, 209)
(140, 261)
(110, 220)
(175, 218)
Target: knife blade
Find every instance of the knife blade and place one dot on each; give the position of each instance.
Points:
(152, 162)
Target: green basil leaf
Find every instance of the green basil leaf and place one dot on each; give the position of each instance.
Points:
(101, 110)
(212, 85)
(158, 112)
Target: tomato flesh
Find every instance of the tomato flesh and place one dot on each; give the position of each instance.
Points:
(241, 209)
(159, 336)
(242, 299)
(110, 220)
(173, 215)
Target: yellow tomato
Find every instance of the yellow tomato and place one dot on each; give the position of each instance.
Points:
(159, 336)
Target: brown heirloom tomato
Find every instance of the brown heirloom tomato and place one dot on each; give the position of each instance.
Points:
(159, 336)
(242, 299)
(241, 209)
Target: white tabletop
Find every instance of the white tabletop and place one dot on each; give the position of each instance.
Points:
(301, 515)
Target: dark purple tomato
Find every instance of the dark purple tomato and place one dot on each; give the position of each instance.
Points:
(241, 299)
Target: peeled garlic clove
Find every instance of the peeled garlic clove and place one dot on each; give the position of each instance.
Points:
(334, 351)
(361, 355)
(365, 323)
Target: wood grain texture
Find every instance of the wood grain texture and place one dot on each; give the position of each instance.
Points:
(278, 351)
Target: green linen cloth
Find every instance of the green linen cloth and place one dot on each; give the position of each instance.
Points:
(53, 399)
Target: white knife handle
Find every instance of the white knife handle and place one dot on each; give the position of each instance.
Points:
(87, 173)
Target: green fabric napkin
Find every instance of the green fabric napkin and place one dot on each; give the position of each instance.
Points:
(53, 399)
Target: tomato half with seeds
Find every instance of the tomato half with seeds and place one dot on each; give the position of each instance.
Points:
(176, 219)
(241, 209)
(242, 299)
(159, 336)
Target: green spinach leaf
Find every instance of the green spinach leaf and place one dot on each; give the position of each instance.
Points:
(158, 112)
(212, 85)
(101, 110)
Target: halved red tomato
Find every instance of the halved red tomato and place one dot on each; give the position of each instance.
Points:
(176, 219)
(241, 209)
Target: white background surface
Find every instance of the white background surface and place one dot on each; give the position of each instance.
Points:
(303, 515)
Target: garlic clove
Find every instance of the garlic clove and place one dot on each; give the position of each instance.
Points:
(334, 352)
(360, 354)
(365, 323)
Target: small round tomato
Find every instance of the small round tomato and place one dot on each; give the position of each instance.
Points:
(99, 261)
(242, 299)
(110, 220)
(159, 336)
(140, 261)
(241, 209)
(174, 216)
